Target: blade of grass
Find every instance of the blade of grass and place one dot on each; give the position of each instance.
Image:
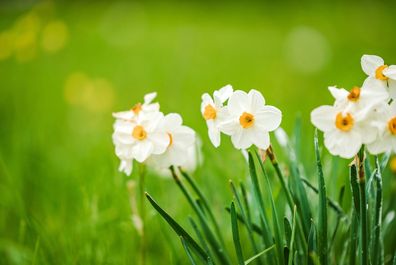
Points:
(275, 220)
(289, 196)
(235, 235)
(246, 220)
(199, 236)
(267, 235)
(322, 221)
(258, 255)
(217, 248)
(333, 204)
(255, 228)
(377, 250)
(288, 230)
(205, 203)
(354, 188)
(291, 246)
(312, 244)
(189, 255)
(178, 229)
(363, 209)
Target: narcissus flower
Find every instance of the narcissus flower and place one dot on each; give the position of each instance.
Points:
(141, 138)
(358, 99)
(344, 131)
(139, 108)
(249, 120)
(213, 111)
(181, 138)
(386, 123)
(375, 67)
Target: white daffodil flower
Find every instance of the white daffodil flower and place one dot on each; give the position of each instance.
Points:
(181, 138)
(358, 99)
(375, 67)
(344, 132)
(249, 120)
(139, 108)
(213, 111)
(386, 123)
(141, 138)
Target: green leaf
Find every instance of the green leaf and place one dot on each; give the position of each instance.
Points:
(354, 238)
(377, 248)
(189, 255)
(312, 244)
(217, 248)
(258, 255)
(322, 221)
(288, 230)
(178, 229)
(267, 235)
(246, 219)
(205, 203)
(235, 235)
(275, 220)
(291, 246)
(354, 187)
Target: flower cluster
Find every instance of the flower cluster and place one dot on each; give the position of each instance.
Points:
(245, 118)
(146, 135)
(362, 116)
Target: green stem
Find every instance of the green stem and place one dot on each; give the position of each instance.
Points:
(378, 213)
(289, 197)
(142, 173)
(363, 208)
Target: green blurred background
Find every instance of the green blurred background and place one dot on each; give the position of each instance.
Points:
(66, 66)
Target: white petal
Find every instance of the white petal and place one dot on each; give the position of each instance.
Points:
(370, 63)
(238, 102)
(183, 137)
(259, 138)
(125, 115)
(256, 100)
(323, 118)
(142, 150)
(126, 166)
(241, 139)
(229, 126)
(390, 72)
(346, 145)
(171, 121)
(381, 145)
(224, 93)
(214, 133)
(338, 93)
(268, 118)
(160, 142)
(206, 100)
(148, 98)
(392, 88)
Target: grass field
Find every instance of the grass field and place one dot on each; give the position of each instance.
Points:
(62, 199)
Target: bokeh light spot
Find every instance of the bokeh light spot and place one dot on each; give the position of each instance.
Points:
(54, 36)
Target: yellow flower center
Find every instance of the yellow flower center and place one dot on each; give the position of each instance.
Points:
(137, 108)
(246, 120)
(170, 139)
(354, 94)
(139, 133)
(392, 126)
(379, 72)
(209, 113)
(344, 123)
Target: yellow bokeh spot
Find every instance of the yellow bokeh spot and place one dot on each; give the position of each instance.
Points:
(54, 36)
(96, 95)
(6, 45)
